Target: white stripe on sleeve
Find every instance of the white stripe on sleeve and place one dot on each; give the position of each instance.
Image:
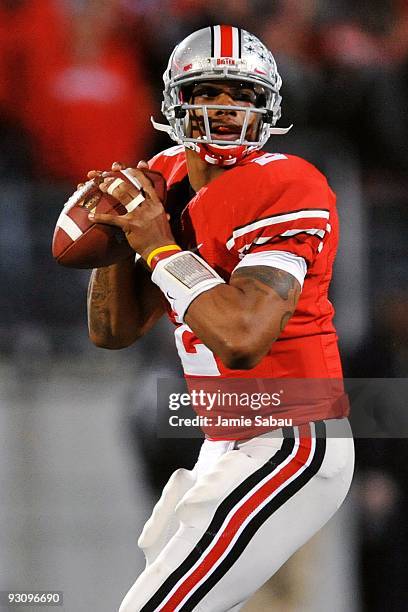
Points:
(283, 260)
(269, 221)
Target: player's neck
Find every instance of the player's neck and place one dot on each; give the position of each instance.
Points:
(199, 172)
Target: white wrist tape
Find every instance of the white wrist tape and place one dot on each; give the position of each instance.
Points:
(182, 277)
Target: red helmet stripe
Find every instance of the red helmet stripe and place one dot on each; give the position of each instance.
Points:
(226, 41)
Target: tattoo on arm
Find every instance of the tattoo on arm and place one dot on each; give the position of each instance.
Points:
(98, 301)
(285, 285)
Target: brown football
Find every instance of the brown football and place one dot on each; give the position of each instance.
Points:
(80, 243)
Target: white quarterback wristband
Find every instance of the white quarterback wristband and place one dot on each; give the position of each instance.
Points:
(182, 277)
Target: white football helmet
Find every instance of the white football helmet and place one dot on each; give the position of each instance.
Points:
(221, 53)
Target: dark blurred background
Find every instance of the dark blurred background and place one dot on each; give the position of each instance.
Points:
(81, 462)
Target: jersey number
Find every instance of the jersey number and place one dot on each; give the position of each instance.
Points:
(196, 358)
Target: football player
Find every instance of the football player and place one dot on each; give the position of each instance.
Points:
(241, 259)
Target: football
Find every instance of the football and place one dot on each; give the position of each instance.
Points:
(80, 243)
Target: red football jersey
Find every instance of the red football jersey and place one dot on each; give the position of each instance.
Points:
(268, 202)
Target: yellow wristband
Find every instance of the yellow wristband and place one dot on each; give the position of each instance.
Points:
(162, 249)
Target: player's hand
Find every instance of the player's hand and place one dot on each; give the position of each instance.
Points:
(116, 166)
(146, 227)
(91, 175)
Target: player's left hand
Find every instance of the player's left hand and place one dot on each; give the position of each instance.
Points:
(147, 226)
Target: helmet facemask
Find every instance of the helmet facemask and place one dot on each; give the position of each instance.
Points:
(180, 77)
(203, 116)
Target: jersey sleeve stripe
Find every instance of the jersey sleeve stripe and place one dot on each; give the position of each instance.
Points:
(277, 238)
(283, 260)
(265, 240)
(309, 213)
(313, 232)
(286, 212)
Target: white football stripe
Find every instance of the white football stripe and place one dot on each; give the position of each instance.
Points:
(69, 226)
(301, 214)
(135, 202)
(80, 193)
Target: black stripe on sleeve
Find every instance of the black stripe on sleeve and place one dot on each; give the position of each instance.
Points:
(278, 238)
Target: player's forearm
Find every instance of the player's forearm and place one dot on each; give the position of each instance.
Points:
(122, 305)
(237, 328)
